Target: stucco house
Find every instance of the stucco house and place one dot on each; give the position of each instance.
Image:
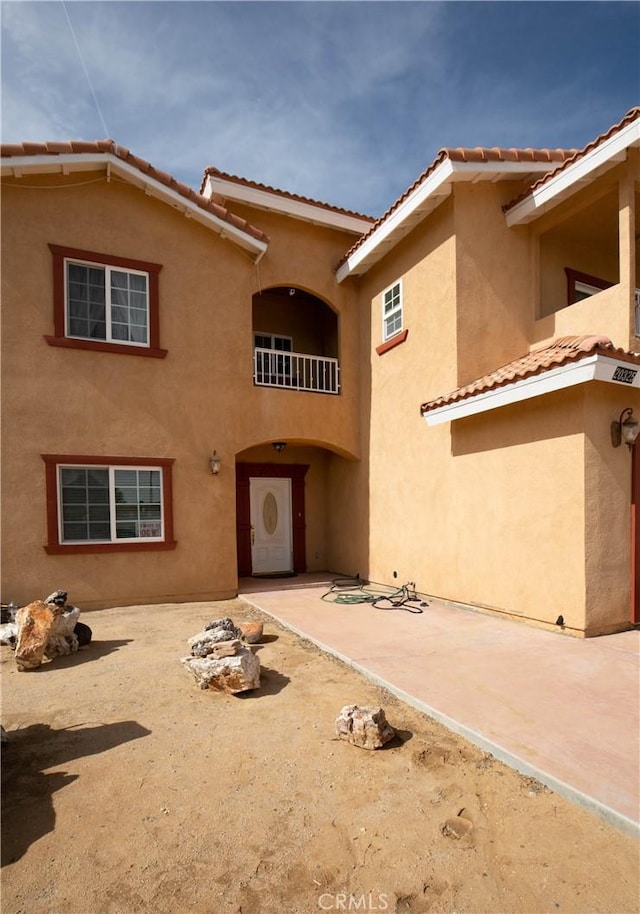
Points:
(200, 386)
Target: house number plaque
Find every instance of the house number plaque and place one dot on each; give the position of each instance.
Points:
(624, 375)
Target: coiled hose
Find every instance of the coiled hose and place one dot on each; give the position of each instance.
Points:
(352, 591)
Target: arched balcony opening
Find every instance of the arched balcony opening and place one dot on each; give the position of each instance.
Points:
(295, 341)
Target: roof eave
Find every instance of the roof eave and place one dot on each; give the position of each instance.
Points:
(17, 166)
(426, 197)
(596, 367)
(272, 201)
(607, 155)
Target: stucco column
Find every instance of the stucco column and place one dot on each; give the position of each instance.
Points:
(626, 236)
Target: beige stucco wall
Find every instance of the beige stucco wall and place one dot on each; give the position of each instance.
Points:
(494, 281)
(200, 397)
(607, 509)
(496, 510)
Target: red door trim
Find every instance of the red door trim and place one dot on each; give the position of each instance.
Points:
(635, 535)
(296, 472)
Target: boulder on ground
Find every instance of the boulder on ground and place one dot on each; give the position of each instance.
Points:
(48, 628)
(237, 673)
(226, 623)
(215, 632)
(35, 623)
(364, 727)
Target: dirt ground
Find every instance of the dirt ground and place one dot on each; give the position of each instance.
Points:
(127, 789)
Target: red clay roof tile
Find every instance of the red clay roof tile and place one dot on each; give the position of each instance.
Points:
(107, 146)
(245, 182)
(631, 115)
(461, 154)
(560, 352)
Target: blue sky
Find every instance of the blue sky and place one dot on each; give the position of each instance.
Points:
(346, 102)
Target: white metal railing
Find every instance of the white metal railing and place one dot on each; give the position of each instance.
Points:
(295, 371)
(637, 331)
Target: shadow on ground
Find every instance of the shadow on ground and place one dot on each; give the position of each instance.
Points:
(27, 792)
(271, 682)
(92, 651)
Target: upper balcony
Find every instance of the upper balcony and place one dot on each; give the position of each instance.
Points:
(295, 342)
(587, 281)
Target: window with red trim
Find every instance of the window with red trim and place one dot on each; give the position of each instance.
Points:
(105, 504)
(583, 285)
(105, 303)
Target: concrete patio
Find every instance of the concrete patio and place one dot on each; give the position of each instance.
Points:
(561, 709)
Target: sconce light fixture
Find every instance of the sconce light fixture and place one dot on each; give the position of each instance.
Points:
(279, 446)
(625, 429)
(214, 464)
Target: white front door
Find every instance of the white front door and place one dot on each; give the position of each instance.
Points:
(271, 541)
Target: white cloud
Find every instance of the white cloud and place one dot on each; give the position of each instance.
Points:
(346, 102)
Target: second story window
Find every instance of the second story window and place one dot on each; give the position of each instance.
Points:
(104, 303)
(392, 311)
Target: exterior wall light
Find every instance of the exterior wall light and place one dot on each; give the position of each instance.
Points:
(625, 429)
(279, 446)
(214, 464)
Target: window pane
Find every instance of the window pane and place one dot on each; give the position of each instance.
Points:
(138, 334)
(99, 532)
(138, 282)
(82, 489)
(119, 280)
(86, 301)
(138, 507)
(129, 307)
(75, 532)
(126, 477)
(120, 332)
(126, 512)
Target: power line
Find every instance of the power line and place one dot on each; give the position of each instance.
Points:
(86, 72)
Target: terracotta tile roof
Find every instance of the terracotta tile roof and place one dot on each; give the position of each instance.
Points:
(245, 182)
(631, 115)
(110, 147)
(560, 352)
(461, 154)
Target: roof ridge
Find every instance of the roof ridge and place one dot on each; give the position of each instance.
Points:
(109, 146)
(248, 182)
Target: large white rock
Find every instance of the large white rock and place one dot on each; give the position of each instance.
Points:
(364, 727)
(239, 673)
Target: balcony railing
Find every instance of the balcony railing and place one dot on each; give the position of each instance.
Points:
(295, 371)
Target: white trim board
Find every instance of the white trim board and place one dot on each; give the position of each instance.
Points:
(430, 192)
(20, 166)
(607, 154)
(592, 368)
(263, 198)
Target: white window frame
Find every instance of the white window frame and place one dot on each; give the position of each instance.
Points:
(586, 288)
(107, 270)
(114, 539)
(273, 337)
(395, 311)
